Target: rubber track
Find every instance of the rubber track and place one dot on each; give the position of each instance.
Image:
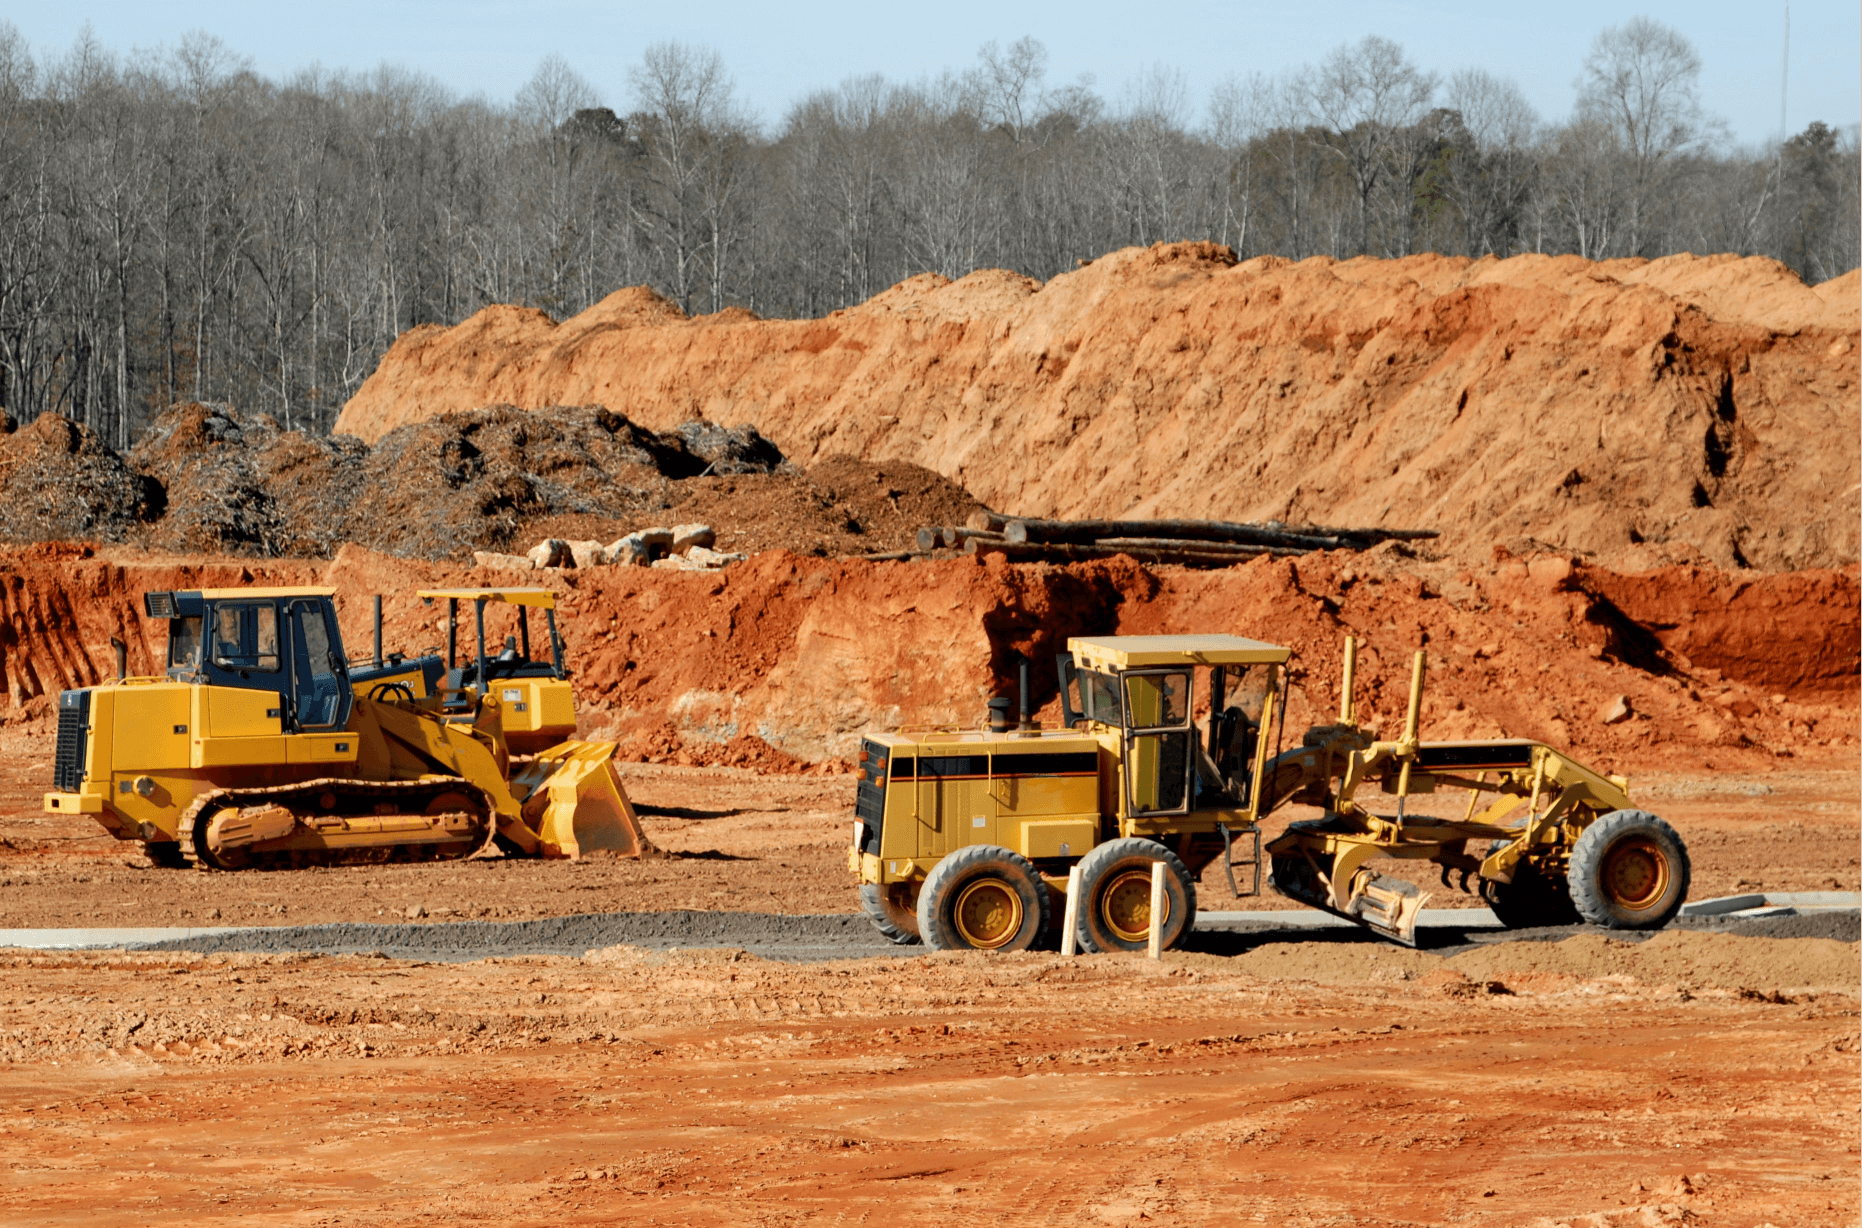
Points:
(387, 851)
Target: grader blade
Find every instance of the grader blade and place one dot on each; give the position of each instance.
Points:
(575, 802)
(1388, 906)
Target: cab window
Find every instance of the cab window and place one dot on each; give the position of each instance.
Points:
(1158, 700)
(184, 642)
(245, 637)
(1099, 696)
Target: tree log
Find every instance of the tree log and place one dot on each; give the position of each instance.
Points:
(983, 518)
(957, 537)
(1199, 554)
(1081, 532)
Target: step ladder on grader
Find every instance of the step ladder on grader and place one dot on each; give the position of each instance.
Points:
(264, 744)
(965, 838)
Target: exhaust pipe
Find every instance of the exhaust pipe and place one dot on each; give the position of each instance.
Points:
(1027, 718)
(122, 658)
(378, 631)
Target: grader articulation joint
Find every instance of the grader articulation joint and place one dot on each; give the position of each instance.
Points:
(963, 837)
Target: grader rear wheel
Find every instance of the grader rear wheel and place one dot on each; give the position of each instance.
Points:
(983, 898)
(1115, 896)
(892, 909)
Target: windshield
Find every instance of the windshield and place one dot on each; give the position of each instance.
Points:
(1247, 689)
(184, 642)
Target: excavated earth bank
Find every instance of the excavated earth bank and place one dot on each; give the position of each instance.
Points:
(1634, 413)
(784, 659)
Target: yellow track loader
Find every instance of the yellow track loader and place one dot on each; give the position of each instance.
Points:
(966, 838)
(264, 745)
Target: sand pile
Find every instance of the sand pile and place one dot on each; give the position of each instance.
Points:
(1635, 412)
(790, 656)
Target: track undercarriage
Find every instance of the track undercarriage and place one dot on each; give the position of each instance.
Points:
(335, 822)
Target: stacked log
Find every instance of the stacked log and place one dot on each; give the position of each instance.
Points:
(1190, 543)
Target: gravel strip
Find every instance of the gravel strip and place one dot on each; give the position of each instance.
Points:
(830, 936)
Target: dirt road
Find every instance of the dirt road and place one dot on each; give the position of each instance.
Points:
(1691, 1079)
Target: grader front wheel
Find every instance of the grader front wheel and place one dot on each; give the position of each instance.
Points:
(1532, 900)
(1629, 871)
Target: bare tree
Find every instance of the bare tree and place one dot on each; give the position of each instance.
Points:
(1366, 94)
(1489, 173)
(1009, 84)
(690, 125)
(1642, 80)
(1239, 113)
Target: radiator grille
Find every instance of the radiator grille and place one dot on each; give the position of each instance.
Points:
(74, 711)
(870, 797)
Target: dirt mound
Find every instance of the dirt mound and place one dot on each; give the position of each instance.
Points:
(840, 506)
(1635, 412)
(60, 481)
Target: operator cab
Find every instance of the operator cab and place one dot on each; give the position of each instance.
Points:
(284, 641)
(1145, 686)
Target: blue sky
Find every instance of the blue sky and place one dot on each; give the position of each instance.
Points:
(777, 52)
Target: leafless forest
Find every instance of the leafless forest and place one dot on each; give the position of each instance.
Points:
(175, 226)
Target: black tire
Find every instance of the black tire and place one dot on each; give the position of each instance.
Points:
(165, 854)
(1629, 871)
(1115, 896)
(1531, 900)
(982, 898)
(889, 915)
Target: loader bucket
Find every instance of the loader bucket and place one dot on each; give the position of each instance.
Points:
(574, 801)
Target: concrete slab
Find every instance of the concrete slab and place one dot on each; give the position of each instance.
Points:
(1719, 906)
(129, 936)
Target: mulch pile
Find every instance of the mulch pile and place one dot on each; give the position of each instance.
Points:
(205, 479)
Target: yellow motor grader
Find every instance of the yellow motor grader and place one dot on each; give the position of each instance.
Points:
(264, 745)
(964, 838)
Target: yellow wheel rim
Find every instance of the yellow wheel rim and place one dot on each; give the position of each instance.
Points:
(1635, 873)
(1125, 905)
(988, 913)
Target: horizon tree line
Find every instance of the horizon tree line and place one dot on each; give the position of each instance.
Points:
(175, 226)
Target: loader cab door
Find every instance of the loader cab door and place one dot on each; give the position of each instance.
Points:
(320, 693)
(1158, 759)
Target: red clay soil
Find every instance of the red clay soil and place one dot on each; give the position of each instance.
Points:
(1634, 413)
(785, 659)
(1693, 1079)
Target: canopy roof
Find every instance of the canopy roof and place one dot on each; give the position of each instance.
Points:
(217, 595)
(516, 597)
(1127, 652)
